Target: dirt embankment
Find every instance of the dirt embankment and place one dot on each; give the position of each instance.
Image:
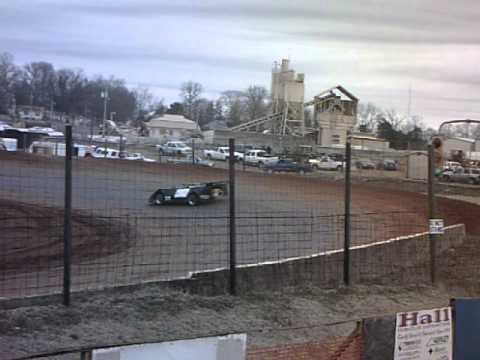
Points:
(33, 235)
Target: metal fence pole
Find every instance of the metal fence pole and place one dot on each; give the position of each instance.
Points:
(67, 226)
(431, 211)
(347, 229)
(193, 151)
(231, 173)
(86, 355)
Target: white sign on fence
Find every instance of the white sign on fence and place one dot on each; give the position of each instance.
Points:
(436, 226)
(424, 335)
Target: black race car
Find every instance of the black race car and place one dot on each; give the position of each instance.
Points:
(189, 194)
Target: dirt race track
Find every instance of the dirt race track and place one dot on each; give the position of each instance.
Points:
(118, 239)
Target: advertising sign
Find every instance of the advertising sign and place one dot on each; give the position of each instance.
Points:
(230, 347)
(436, 226)
(424, 335)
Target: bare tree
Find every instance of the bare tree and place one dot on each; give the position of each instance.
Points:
(69, 91)
(393, 118)
(368, 116)
(144, 101)
(256, 98)
(8, 77)
(233, 103)
(41, 78)
(190, 93)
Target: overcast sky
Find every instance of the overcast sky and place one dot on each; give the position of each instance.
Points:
(376, 49)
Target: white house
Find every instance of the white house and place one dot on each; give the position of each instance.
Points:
(172, 127)
(458, 144)
(34, 113)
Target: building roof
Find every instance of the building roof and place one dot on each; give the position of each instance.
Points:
(172, 122)
(472, 141)
(340, 89)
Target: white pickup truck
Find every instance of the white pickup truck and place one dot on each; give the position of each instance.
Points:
(326, 163)
(221, 153)
(174, 148)
(104, 153)
(259, 158)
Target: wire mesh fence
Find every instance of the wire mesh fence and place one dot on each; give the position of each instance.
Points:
(119, 239)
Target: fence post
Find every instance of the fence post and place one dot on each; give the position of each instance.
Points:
(67, 226)
(86, 355)
(231, 173)
(347, 229)
(193, 151)
(431, 211)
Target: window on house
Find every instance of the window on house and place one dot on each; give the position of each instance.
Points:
(335, 139)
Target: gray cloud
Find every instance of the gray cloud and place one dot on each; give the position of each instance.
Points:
(383, 37)
(358, 21)
(448, 75)
(362, 44)
(353, 12)
(111, 53)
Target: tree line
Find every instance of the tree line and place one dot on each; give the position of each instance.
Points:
(72, 92)
(230, 108)
(63, 90)
(401, 131)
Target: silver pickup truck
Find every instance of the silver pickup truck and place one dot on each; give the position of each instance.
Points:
(461, 175)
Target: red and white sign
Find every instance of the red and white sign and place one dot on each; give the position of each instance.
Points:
(424, 335)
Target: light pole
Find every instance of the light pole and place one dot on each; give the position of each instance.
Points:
(52, 104)
(104, 95)
(432, 233)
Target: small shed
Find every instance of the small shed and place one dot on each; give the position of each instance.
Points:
(417, 165)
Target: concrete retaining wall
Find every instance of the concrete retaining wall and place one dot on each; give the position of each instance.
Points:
(403, 260)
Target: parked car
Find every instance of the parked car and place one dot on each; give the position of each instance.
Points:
(189, 161)
(222, 153)
(337, 157)
(389, 165)
(242, 148)
(364, 164)
(259, 158)
(8, 144)
(104, 153)
(326, 163)
(452, 165)
(137, 157)
(189, 194)
(174, 148)
(287, 165)
(461, 175)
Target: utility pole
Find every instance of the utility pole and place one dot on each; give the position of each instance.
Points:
(409, 109)
(52, 103)
(104, 95)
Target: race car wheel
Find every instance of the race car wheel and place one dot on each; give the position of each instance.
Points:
(192, 200)
(158, 199)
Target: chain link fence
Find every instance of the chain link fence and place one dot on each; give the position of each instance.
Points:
(119, 239)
